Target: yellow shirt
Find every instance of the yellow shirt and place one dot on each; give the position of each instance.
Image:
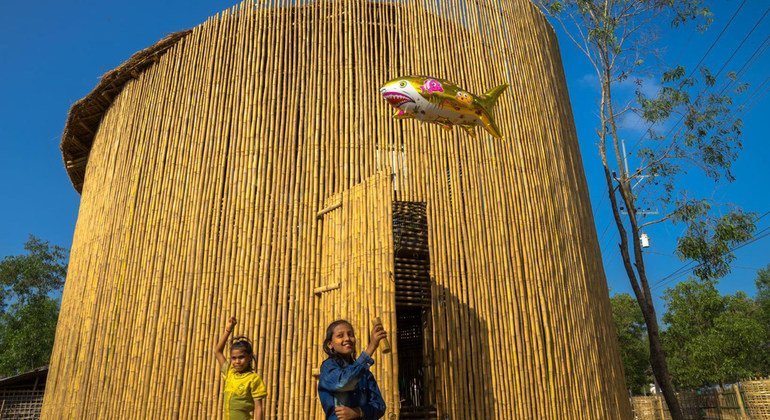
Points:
(241, 390)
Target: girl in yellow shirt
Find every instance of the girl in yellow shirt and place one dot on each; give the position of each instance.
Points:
(244, 389)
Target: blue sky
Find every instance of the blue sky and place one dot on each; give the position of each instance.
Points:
(53, 53)
(749, 191)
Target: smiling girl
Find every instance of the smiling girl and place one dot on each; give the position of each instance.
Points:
(244, 389)
(346, 387)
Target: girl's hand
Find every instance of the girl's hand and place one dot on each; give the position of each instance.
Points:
(347, 413)
(378, 334)
(219, 348)
(231, 323)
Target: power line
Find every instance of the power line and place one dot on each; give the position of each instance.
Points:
(682, 274)
(660, 253)
(749, 103)
(717, 39)
(703, 91)
(606, 227)
(676, 274)
(711, 47)
(759, 99)
(610, 241)
(685, 268)
(758, 52)
(735, 51)
(757, 93)
(688, 267)
(748, 64)
(713, 44)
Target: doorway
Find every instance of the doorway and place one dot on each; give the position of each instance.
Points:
(413, 310)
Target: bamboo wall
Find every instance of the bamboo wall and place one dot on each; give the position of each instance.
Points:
(207, 172)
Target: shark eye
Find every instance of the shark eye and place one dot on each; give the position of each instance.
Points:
(402, 84)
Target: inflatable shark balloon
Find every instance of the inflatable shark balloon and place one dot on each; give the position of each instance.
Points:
(441, 102)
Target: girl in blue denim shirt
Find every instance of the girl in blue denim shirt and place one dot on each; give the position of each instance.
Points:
(346, 387)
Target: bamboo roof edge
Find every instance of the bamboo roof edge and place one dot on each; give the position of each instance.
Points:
(85, 115)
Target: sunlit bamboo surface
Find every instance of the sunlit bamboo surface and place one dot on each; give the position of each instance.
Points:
(252, 168)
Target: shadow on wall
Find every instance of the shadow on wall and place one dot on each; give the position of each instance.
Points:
(463, 360)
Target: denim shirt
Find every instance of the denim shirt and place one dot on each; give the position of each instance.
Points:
(351, 385)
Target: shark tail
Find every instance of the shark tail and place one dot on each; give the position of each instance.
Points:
(489, 99)
(488, 102)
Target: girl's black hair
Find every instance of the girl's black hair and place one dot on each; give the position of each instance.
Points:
(329, 333)
(244, 344)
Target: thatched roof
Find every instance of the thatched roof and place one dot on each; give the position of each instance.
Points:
(31, 381)
(86, 114)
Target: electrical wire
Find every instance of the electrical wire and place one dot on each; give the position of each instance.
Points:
(687, 267)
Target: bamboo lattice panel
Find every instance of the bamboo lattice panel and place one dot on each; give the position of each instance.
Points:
(206, 174)
(756, 396)
(650, 407)
(20, 405)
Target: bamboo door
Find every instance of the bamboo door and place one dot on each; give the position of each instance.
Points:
(356, 273)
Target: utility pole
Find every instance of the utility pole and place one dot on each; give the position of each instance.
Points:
(643, 238)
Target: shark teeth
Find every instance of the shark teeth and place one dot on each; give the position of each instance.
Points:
(396, 99)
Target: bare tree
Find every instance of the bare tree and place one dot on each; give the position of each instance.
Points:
(689, 125)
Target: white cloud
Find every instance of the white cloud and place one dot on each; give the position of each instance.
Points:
(631, 122)
(633, 125)
(590, 81)
(625, 94)
(626, 89)
(648, 86)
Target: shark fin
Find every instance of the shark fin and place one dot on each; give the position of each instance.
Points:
(488, 102)
(489, 99)
(489, 124)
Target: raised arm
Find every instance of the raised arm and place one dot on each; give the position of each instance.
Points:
(220, 346)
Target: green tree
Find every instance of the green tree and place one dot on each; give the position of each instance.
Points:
(763, 300)
(28, 313)
(763, 292)
(692, 126)
(712, 338)
(709, 240)
(632, 337)
(26, 336)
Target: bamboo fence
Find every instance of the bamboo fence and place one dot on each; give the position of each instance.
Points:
(756, 397)
(20, 404)
(248, 167)
(749, 399)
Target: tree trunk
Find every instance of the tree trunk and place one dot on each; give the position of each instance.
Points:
(640, 285)
(660, 367)
(645, 300)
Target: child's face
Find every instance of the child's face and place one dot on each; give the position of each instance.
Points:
(239, 360)
(343, 340)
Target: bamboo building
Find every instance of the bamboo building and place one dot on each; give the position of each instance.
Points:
(249, 167)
